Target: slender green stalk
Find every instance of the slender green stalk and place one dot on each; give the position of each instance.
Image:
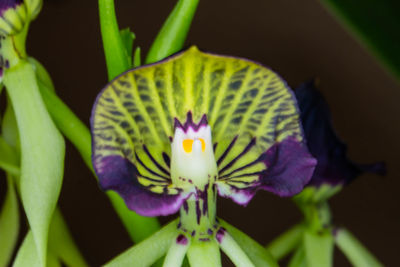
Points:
(172, 35)
(286, 242)
(257, 253)
(114, 49)
(148, 251)
(354, 250)
(138, 227)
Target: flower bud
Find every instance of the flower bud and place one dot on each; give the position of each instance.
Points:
(13, 16)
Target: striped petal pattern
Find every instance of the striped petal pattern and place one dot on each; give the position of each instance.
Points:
(254, 121)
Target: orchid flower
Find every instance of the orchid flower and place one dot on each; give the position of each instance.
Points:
(171, 135)
(314, 239)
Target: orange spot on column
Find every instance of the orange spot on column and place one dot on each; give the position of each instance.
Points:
(187, 145)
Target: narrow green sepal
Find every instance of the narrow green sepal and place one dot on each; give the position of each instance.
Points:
(286, 242)
(354, 250)
(148, 251)
(318, 248)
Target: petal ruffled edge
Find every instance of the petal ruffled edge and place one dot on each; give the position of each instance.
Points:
(119, 174)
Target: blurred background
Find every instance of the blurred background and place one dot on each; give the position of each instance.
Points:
(299, 40)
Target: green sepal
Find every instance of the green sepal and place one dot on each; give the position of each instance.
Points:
(9, 223)
(8, 158)
(173, 33)
(149, 250)
(42, 152)
(318, 248)
(204, 254)
(257, 253)
(138, 227)
(286, 242)
(355, 251)
(299, 258)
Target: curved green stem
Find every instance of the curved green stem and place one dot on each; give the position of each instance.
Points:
(286, 242)
(172, 35)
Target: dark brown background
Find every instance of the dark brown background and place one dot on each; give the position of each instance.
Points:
(299, 40)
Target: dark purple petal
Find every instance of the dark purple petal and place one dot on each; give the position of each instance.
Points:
(289, 168)
(333, 166)
(119, 174)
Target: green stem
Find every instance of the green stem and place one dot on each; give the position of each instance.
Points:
(286, 242)
(114, 50)
(354, 250)
(138, 227)
(299, 258)
(257, 253)
(172, 35)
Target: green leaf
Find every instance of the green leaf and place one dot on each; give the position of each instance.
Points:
(202, 254)
(10, 128)
(257, 253)
(354, 250)
(138, 227)
(375, 24)
(114, 49)
(286, 242)
(318, 249)
(148, 251)
(9, 224)
(127, 39)
(42, 152)
(173, 33)
(62, 244)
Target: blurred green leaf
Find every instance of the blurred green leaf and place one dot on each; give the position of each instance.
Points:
(42, 152)
(375, 23)
(299, 258)
(358, 255)
(318, 249)
(137, 60)
(8, 158)
(173, 33)
(9, 224)
(62, 244)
